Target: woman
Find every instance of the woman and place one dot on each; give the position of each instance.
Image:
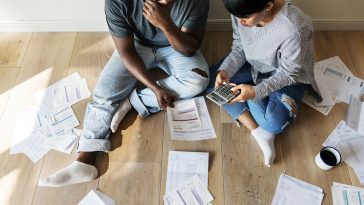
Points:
(270, 64)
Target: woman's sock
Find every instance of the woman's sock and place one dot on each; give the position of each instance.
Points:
(75, 173)
(265, 141)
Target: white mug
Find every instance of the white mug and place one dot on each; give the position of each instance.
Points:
(327, 158)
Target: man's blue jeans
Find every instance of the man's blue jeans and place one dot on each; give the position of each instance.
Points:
(188, 76)
(272, 113)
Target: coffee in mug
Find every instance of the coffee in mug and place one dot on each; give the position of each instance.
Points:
(327, 158)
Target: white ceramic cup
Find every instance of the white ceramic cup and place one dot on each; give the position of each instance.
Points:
(327, 158)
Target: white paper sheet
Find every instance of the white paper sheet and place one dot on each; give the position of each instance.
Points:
(35, 147)
(182, 166)
(95, 197)
(207, 130)
(28, 120)
(184, 116)
(327, 99)
(355, 115)
(66, 141)
(294, 191)
(342, 85)
(61, 122)
(325, 86)
(337, 64)
(193, 192)
(62, 94)
(343, 194)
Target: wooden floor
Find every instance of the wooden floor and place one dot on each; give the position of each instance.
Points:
(135, 171)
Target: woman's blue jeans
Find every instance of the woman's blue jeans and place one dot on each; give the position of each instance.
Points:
(272, 113)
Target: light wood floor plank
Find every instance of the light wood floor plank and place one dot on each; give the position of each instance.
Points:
(12, 48)
(43, 64)
(7, 80)
(136, 183)
(215, 46)
(140, 139)
(246, 179)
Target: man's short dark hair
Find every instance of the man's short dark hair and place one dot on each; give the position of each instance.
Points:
(243, 8)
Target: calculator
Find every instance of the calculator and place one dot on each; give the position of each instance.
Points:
(222, 94)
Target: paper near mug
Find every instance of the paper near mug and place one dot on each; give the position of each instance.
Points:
(327, 158)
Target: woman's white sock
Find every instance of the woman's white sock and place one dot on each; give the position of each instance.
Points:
(265, 141)
(75, 173)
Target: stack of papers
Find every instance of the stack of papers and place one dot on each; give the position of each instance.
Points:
(193, 192)
(187, 178)
(336, 84)
(350, 144)
(95, 197)
(51, 124)
(190, 120)
(343, 194)
(294, 191)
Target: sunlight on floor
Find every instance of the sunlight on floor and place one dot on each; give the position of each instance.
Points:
(8, 184)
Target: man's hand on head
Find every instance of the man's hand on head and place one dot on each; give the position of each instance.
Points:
(158, 14)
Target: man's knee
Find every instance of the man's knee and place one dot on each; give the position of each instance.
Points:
(194, 85)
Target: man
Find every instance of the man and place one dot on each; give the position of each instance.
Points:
(163, 33)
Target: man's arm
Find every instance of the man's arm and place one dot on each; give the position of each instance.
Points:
(135, 65)
(184, 40)
(132, 61)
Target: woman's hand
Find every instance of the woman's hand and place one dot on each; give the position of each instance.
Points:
(222, 77)
(246, 92)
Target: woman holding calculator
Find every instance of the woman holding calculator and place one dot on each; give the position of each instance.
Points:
(270, 66)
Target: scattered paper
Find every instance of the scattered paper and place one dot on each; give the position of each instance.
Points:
(343, 194)
(203, 132)
(62, 94)
(327, 99)
(28, 120)
(182, 166)
(355, 115)
(343, 85)
(193, 192)
(35, 147)
(66, 141)
(294, 191)
(61, 122)
(336, 84)
(95, 197)
(50, 124)
(350, 145)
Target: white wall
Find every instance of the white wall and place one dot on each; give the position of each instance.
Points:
(88, 15)
(52, 15)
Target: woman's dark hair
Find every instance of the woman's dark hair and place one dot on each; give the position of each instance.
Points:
(242, 8)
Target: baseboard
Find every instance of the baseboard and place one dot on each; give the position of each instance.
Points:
(100, 25)
(324, 25)
(92, 25)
